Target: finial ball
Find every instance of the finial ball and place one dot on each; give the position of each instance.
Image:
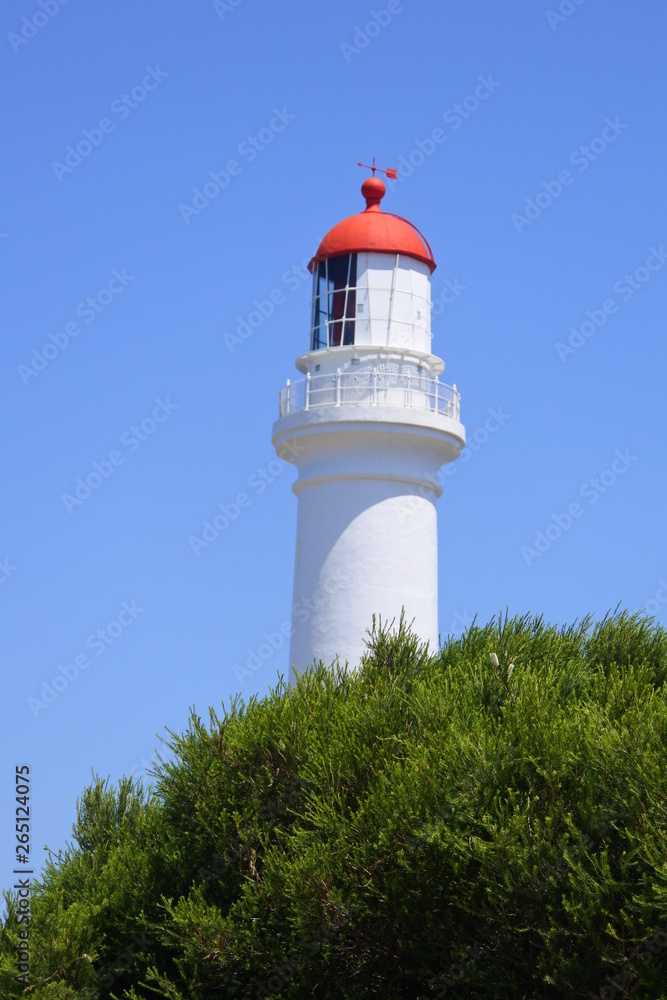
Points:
(373, 190)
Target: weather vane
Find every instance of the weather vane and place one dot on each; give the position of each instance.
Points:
(389, 171)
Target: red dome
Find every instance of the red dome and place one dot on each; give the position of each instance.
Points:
(374, 230)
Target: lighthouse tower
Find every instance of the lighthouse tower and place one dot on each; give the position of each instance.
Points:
(368, 427)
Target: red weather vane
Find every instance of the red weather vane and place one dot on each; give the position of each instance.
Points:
(389, 171)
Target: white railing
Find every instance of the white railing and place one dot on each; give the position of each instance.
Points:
(370, 388)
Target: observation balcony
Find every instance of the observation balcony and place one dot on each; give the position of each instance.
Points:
(369, 388)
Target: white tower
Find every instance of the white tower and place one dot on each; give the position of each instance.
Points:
(368, 428)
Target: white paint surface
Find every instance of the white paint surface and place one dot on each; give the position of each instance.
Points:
(368, 460)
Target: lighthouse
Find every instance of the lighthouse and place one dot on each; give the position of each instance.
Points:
(368, 427)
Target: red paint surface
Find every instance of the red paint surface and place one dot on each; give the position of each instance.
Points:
(374, 230)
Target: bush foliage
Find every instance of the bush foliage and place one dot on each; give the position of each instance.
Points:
(486, 822)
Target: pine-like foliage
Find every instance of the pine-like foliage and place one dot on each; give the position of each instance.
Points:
(488, 822)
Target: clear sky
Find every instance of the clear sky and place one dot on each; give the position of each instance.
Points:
(531, 142)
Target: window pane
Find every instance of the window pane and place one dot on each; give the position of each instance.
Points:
(351, 305)
(334, 302)
(350, 312)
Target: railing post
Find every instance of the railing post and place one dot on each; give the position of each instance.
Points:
(288, 397)
(455, 402)
(437, 394)
(338, 387)
(307, 403)
(375, 386)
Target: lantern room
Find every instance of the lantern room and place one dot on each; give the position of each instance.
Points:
(372, 282)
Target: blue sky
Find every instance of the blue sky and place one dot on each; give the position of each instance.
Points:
(531, 138)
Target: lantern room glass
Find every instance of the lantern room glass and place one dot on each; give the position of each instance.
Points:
(334, 302)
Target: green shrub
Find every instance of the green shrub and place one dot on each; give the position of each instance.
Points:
(486, 822)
